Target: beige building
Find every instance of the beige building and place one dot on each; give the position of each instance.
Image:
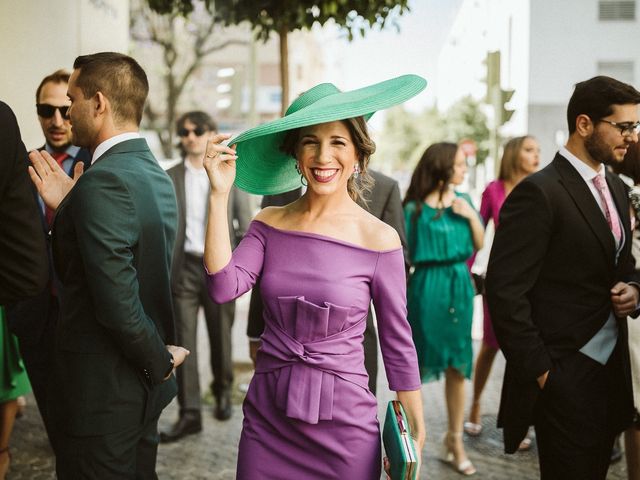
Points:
(39, 37)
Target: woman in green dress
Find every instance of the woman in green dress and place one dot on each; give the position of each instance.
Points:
(443, 230)
(13, 383)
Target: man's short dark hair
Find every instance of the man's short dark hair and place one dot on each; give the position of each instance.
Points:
(120, 78)
(595, 98)
(199, 119)
(59, 76)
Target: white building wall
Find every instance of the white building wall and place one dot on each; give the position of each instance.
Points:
(482, 26)
(38, 37)
(567, 42)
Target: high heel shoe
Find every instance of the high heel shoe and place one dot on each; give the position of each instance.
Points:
(471, 428)
(464, 467)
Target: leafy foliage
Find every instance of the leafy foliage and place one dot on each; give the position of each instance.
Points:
(465, 119)
(172, 47)
(406, 134)
(267, 16)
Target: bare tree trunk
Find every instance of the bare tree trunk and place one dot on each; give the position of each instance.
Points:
(284, 67)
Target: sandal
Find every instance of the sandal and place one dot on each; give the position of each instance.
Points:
(464, 467)
(472, 429)
(525, 444)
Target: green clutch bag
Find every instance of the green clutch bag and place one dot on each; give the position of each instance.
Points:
(398, 443)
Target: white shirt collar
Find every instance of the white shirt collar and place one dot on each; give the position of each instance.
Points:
(110, 142)
(585, 171)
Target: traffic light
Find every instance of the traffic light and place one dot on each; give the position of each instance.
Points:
(504, 113)
(496, 96)
(493, 73)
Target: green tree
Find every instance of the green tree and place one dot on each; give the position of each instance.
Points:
(465, 119)
(182, 40)
(405, 136)
(284, 16)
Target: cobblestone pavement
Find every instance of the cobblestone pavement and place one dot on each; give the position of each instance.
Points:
(211, 455)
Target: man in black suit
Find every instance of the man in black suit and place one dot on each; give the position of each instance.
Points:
(557, 292)
(113, 237)
(34, 320)
(384, 202)
(188, 285)
(23, 262)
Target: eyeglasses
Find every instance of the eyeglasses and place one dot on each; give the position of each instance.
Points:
(626, 128)
(47, 111)
(198, 131)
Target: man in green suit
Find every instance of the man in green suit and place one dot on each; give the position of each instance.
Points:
(113, 237)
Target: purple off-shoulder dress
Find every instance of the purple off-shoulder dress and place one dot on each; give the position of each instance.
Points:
(308, 413)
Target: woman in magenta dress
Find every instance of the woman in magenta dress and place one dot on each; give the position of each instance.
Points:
(308, 413)
(521, 157)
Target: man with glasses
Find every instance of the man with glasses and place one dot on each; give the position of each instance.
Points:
(52, 104)
(561, 284)
(34, 320)
(188, 278)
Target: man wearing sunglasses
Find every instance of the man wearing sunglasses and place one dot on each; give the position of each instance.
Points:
(52, 104)
(188, 278)
(561, 284)
(34, 320)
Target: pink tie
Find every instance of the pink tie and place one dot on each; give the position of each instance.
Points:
(609, 208)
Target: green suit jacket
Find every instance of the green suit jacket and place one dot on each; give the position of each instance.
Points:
(113, 238)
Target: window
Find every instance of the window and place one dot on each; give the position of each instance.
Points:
(622, 71)
(617, 10)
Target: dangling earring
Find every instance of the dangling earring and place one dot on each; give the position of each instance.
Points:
(302, 181)
(356, 171)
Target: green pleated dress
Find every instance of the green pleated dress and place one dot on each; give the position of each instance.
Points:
(13, 379)
(440, 292)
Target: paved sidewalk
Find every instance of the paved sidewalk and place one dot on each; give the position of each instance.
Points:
(211, 455)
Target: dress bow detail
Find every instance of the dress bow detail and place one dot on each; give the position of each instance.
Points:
(300, 345)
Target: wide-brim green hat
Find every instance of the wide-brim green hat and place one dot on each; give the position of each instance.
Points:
(263, 169)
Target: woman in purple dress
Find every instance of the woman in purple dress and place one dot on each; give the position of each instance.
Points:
(308, 413)
(521, 157)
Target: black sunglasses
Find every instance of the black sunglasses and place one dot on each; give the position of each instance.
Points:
(47, 111)
(199, 131)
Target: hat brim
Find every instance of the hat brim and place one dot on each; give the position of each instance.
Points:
(263, 169)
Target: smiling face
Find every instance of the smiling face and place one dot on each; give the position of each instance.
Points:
(606, 144)
(529, 156)
(326, 156)
(459, 168)
(56, 129)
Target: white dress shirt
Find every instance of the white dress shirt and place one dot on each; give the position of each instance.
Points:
(196, 186)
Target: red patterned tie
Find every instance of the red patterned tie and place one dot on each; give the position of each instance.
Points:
(609, 208)
(58, 157)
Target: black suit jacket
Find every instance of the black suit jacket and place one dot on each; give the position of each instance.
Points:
(113, 237)
(550, 272)
(23, 259)
(239, 216)
(384, 202)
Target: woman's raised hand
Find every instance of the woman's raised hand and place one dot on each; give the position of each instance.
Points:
(461, 207)
(220, 163)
